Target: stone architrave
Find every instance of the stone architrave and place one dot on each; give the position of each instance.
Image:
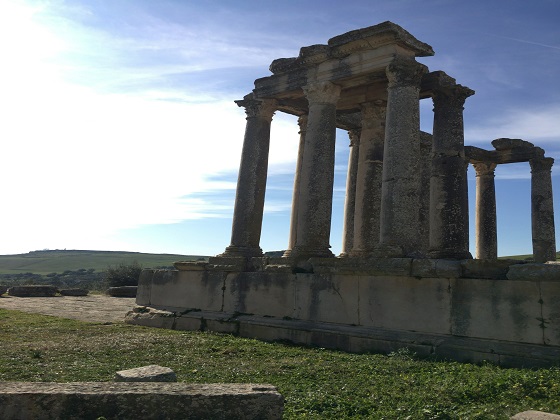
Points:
(401, 183)
(542, 210)
(486, 232)
(302, 122)
(350, 200)
(251, 182)
(449, 219)
(368, 183)
(317, 173)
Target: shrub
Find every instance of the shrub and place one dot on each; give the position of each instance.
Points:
(123, 275)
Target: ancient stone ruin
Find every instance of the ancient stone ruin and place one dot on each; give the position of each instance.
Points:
(405, 277)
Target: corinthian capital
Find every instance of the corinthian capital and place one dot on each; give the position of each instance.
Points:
(541, 165)
(263, 108)
(484, 169)
(404, 71)
(453, 97)
(322, 92)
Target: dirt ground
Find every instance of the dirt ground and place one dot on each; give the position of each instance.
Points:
(93, 308)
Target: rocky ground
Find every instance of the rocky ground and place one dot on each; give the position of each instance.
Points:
(93, 308)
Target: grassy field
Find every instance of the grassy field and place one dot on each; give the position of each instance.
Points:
(44, 262)
(317, 383)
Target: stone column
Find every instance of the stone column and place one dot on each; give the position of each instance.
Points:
(350, 201)
(401, 184)
(449, 218)
(486, 233)
(302, 122)
(542, 210)
(368, 182)
(424, 202)
(317, 173)
(251, 182)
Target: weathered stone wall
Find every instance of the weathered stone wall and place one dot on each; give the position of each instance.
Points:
(470, 299)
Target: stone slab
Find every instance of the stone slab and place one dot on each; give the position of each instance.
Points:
(150, 373)
(535, 415)
(550, 272)
(185, 290)
(33, 290)
(497, 309)
(74, 292)
(122, 291)
(142, 400)
(406, 303)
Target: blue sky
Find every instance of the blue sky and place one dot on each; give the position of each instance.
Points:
(119, 130)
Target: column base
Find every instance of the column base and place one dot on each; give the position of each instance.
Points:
(449, 254)
(388, 251)
(301, 253)
(241, 251)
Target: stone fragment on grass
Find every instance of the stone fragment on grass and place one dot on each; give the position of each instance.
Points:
(122, 291)
(151, 373)
(74, 292)
(32, 290)
(535, 415)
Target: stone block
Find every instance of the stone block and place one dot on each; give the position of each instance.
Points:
(141, 400)
(535, 415)
(405, 303)
(185, 290)
(543, 272)
(550, 322)
(74, 292)
(486, 269)
(143, 293)
(149, 317)
(3, 289)
(496, 309)
(122, 291)
(436, 268)
(32, 291)
(150, 373)
(190, 265)
(327, 298)
(270, 294)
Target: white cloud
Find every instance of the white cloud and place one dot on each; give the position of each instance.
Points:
(537, 124)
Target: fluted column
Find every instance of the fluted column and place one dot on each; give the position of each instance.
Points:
(401, 184)
(251, 181)
(486, 233)
(424, 204)
(449, 228)
(317, 173)
(542, 210)
(350, 200)
(368, 182)
(302, 122)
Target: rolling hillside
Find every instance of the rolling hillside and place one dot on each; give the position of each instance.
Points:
(58, 261)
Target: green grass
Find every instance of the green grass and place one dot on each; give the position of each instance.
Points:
(44, 262)
(316, 383)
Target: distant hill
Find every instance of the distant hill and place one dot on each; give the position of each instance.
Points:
(58, 261)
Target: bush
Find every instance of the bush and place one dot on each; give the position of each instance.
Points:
(123, 275)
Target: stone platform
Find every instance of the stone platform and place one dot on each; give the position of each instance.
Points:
(503, 311)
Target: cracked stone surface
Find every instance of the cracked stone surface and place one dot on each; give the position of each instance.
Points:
(93, 308)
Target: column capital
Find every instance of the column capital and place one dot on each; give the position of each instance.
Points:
(354, 136)
(322, 92)
(404, 71)
(451, 97)
(484, 168)
(541, 165)
(263, 108)
(302, 122)
(373, 114)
